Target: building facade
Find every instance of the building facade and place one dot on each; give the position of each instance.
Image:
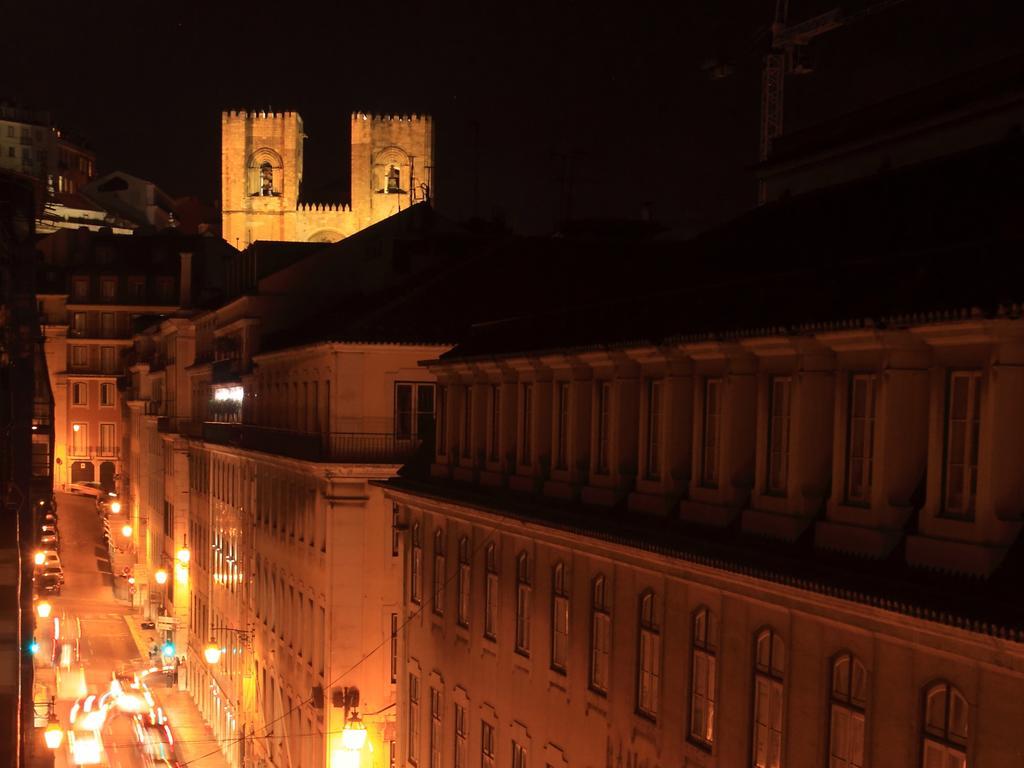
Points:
(261, 176)
(569, 600)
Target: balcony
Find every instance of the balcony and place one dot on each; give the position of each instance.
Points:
(341, 447)
(226, 371)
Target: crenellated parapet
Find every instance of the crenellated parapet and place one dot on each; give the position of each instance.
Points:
(241, 114)
(407, 118)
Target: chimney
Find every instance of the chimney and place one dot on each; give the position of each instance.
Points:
(186, 280)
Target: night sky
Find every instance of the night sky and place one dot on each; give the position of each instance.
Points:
(608, 100)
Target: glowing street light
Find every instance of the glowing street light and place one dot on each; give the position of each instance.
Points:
(115, 507)
(77, 428)
(353, 736)
(160, 576)
(43, 608)
(126, 531)
(40, 557)
(54, 734)
(184, 555)
(212, 653)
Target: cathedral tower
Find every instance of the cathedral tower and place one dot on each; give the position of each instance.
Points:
(261, 176)
(261, 171)
(392, 164)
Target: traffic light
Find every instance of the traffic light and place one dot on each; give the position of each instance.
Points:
(33, 647)
(168, 650)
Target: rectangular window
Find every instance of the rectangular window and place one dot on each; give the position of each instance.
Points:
(79, 356)
(711, 438)
(494, 425)
(416, 566)
(768, 680)
(442, 416)
(491, 594)
(137, 288)
(462, 614)
(559, 620)
(165, 289)
(79, 439)
(600, 637)
(107, 325)
(78, 324)
(518, 755)
(604, 392)
(108, 288)
(435, 728)
(860, 447)
(778, 435)
(461, 737)
(963, 426)
(80, 393)
(440, 566)
(486, 745)
(562, 426)
(106, 439)
(523, 612)
(648, 666)
(653, 453)
(467, 420)
(106, 394)
(414, 410)
(80, 288)
(526, 426)
(394, 647)
(414, 719)
(395, 531)
(107, 359)
(703, 682)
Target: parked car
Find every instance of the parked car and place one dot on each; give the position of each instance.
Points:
(51, 571)
(49, 583)
(88, 488)
(50, 559)
(49, 542)
(47, 530)
(48, 518)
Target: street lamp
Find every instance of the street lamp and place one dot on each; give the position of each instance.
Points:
(43, 608)
(212, 653)
(160, 576)
(126, 531)
(184, 555)
(40, 557)
(115, 507)
(54, 734)
(353, 736)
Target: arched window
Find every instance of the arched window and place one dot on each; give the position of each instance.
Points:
(440, 563)
(523, 594)
(462, 614)
(600, 636)
(416, 567)
(769, 669)
(559, 619)
(264, 173)
(491, 593)
(945, 728)
(648, 668)
(704, 676)
(846, 714)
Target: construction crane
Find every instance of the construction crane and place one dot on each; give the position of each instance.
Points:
(787, 58)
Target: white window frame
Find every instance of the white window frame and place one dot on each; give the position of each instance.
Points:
(847, 705)
(440, 566)
(861, 438)
(648, 665)
(769, 699)
(464, 585)
(414, 718)
(942, 746)
(436, 727)
(524, 593)
(491, 593)
(105, 449)
(79, 444)
(106, 386)
(461, 737)
(600, 635)
(80, 387)
(486, 744)
(559, 619)
(966, 469)
(704, 677)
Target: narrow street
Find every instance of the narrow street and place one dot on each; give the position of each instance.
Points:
(86, 611)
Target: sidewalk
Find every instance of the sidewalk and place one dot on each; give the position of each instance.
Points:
(193, 738)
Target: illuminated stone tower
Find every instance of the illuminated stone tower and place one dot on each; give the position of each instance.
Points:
(261, 176)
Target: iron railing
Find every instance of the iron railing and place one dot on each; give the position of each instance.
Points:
(344, 447)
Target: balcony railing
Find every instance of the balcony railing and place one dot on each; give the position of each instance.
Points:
(93, 452)
(343, 447)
